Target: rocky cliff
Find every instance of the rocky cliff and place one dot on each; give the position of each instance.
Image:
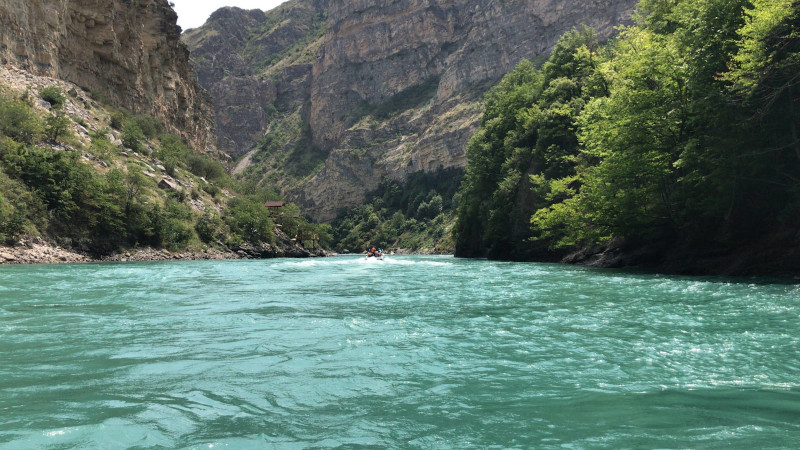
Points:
(347, 93)
(254, 64)
(127, 51)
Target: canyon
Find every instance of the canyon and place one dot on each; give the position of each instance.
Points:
(327, 99)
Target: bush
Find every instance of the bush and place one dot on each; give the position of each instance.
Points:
(211, 189)
(118, 120)
(100, 97)
(206, 167)
(430, 209)
(405, 214)
(150, 126)
(78, 199)
(10, 224)
(101, 145)
(171, 151)
(171, 225)
(19, 122)
(56, 125)
(54, 96)
(132, 137)
(20, 211)
(140, 224)
(250, 220)
(210, 227)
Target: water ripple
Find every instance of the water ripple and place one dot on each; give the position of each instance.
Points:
(408, 352)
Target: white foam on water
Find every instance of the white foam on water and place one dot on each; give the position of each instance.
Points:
(361, 260)
(55, 433)
(323, 262)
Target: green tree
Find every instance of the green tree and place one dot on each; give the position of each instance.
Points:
(526, 142)
(172, 224)
(210, 227)
(56, 125)
(250, 220)
(21, 212)
(171, 152)
(654, 150)
(18, 121)
(132, 137)
(134, 182)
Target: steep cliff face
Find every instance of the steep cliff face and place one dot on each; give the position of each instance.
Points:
(255, 65)
(128, 51)
(396, 87)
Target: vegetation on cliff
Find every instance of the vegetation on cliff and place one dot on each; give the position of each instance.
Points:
(322, 99)
(679, 138)
(119, 182)
(414, 215)
(527, 136)
(256, 65)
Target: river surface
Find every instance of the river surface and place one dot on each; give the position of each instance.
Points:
(411, 352)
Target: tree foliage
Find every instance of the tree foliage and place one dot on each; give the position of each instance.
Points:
(54, 96)
(96, 200)
(414, 214)
(527, 140)
(682, 132)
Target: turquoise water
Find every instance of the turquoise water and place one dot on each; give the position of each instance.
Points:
(411, 352)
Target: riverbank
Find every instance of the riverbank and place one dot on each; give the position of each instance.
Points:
(39, 251)
(764, 257)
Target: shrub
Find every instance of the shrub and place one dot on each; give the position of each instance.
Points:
(18, 121)
(171, 225)
(56, 125)
(100, 97)
(118, 120)
(76, 196)
(211, 189)
(204, 166)
(54, 96)
(150, 126)
(209, 227)
(101, 145)
(132, 137)
(20, 211)
(171, 151)
(170, 165)
(430, 209)
(250, 220)
(10, 226)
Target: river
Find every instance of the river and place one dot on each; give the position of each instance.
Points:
(411, 352)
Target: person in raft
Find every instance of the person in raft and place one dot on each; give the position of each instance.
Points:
(373, 252)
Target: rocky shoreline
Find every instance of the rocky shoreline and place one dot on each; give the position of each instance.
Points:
(38, 251)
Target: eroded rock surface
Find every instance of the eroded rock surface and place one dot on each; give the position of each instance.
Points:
(128, 52)
(390, 87)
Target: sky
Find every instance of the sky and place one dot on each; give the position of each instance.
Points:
(193, 13)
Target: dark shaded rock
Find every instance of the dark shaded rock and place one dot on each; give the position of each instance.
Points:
(168, 185)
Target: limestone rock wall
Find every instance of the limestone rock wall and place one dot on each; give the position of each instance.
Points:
(232, 53)
(375, 51)
(128, 51)
(394, 86)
